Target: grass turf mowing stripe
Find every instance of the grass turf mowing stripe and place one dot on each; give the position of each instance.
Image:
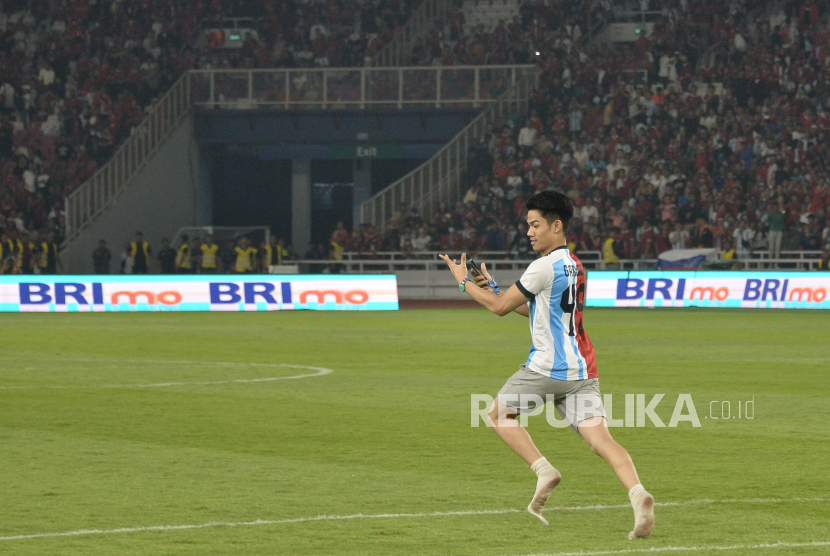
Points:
(151, 528)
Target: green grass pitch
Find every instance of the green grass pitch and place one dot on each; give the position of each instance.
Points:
(86, 444)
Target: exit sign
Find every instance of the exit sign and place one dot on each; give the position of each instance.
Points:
(367, 151)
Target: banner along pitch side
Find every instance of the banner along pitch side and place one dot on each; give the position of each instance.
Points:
(754, 290)
(36, 293)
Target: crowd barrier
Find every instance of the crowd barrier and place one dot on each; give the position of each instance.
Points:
(27, 293)
(746, 289)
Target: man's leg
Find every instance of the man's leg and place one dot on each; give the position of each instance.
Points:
(502, 420)
(598, 437)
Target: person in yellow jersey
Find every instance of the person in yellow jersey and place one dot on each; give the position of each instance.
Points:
(140, 254)
(26, 254)
(611, 250)
(245, 256)
(273, 253)
(268, 253)
(12, 247)
(48, 258)
(207, 260)
(7, 247)
(184, 257)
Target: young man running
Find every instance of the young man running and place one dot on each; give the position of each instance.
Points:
(562, 365)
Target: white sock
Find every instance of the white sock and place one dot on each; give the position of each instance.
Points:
(643, 504)
(542, 467)
(548, 478)
(635, 492)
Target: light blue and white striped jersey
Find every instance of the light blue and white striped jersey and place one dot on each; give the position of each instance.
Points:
(561, 349)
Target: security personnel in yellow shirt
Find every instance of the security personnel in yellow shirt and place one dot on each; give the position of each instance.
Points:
(268, 253)
(609, 251)
(184, 258)
(48, 258)
(273, 253)
(245, 256)
(7, 247)
(207, 260)
(12, 248)
(140, 254)
(26, 254)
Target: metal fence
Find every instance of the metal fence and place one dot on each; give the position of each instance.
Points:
(84, 204)
(361, 88)
(354, 88)
(395, 261)
(439, 180)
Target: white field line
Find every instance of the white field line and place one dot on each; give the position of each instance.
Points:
(122, 530)
(319, 371)
(659, 549)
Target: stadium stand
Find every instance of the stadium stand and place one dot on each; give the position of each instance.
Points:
(76, 77)
(703, 134)
(718, 117)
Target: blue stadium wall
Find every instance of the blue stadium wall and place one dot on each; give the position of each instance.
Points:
(231, 167)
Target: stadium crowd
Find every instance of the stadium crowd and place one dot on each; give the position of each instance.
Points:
(712, 132)
(76, 76)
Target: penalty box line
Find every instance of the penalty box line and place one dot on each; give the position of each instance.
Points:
(163, 528)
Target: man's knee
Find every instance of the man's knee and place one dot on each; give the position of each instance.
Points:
(499, 412)
(596, 435)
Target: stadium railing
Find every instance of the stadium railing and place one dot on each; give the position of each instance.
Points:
(457, 86)
(389, 261)
(410, 87)
(87, 202)
(439, 179)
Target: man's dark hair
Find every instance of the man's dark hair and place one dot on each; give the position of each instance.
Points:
(553, 205)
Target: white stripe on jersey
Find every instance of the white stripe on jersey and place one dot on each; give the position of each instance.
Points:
(554, 352)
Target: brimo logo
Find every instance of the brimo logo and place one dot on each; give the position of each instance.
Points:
(165, 298)
(355, 297)
(636, 410)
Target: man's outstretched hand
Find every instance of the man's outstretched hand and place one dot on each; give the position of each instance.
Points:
(459, 271)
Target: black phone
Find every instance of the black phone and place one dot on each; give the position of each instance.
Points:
(474, 268)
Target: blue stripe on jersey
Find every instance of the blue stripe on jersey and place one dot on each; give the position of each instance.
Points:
(573, 338)
(557, 329)
(532, 321)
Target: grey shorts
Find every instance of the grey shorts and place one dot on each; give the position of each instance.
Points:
(575, 400)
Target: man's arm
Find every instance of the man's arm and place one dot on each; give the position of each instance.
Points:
(485, 278)
(512, 300)
(498, 304)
